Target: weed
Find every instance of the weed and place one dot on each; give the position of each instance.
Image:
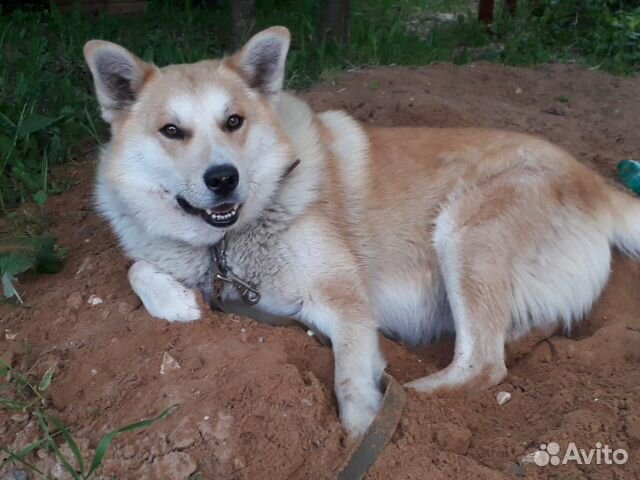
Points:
(47, 110)
(27, 396)
(38, 253)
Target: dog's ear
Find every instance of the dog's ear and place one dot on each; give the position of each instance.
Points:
(262, 60)
(118, 76)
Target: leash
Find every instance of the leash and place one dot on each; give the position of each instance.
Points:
(224, 274)
(364, 454)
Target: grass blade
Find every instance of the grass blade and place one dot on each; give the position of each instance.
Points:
(106, 440)
(73, 446)
(17, 458)
(11, 404)
(54, 446)
(46, 379)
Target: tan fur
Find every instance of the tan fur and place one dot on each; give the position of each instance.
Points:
(415, 232)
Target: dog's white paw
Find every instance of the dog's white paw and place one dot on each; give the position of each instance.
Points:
(358, 409)
(162, 295)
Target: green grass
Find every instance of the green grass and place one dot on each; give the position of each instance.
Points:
(48, 115)
(22, 393)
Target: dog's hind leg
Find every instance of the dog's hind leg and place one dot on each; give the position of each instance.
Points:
(162, 295)
(475, 276)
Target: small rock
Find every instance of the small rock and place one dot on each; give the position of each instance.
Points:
(184, 435)
(20, 417)
(8, 335)
(307, 402)
(125, 308)
(518, 91)
(223, 426)
(175, 465)
(74, 302)
(129, 451)
(542, 353)
(58, 472)
(503, 397)
(453, 438)
(238, 463)
(16, 475)
(206, 429)
(168, 363)
(94, 300)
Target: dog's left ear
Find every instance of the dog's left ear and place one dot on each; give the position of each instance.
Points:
(262, 60)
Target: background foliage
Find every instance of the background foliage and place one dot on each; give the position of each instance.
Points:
(48, 115)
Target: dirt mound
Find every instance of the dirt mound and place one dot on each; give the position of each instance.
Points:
(256, 401)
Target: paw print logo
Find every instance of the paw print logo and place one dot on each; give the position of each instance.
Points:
(548, 454)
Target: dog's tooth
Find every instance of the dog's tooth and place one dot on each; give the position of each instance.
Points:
(209, 211)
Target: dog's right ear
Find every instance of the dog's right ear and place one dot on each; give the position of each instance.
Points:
(118, 76)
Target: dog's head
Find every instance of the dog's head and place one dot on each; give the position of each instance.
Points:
(196, 148)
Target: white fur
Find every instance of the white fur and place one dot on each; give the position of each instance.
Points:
(162, 295)
(324, 262)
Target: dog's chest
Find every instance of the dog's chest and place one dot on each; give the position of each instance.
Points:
(252, 276)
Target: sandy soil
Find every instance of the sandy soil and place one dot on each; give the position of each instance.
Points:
(256, 401)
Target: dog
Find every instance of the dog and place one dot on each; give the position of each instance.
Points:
(218, 181)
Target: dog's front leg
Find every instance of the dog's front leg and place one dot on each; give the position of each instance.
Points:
(359, 364)
(162, 295)
(358, 374)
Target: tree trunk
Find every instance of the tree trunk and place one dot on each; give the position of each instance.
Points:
(334, 20)
(244, 15)
(485, 11)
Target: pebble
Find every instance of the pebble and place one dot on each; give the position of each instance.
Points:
(8, 335)
(206, 429)
(168, 363)
(58, 472)
(453, 438)
(184, 435)
(129, 451)
(178, 465)
(542, 353)
(20, 417)
(94, 300)
(503, 397)
(16, 475)
(74, 301)
(125, 308)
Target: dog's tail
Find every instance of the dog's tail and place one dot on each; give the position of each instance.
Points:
(626, 222)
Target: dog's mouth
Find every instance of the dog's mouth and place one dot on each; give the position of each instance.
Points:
(222, 215)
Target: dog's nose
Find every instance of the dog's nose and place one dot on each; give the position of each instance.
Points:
(222, 179)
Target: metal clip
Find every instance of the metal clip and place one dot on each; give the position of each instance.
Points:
(247, 292)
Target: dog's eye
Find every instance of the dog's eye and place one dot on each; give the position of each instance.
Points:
(172, 132)
(234, 122)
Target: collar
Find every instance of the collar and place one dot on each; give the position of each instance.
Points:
(223, 273)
